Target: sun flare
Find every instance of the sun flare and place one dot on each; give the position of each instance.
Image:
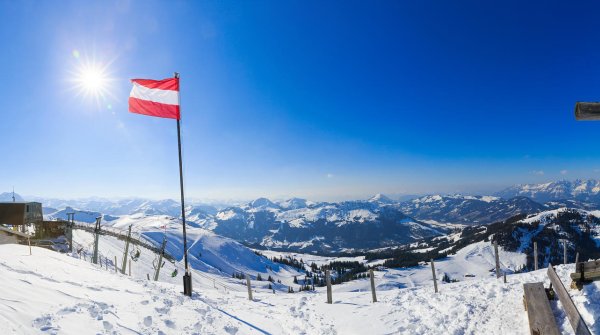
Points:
(91, 79)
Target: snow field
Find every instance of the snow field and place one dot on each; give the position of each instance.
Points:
(53, 293)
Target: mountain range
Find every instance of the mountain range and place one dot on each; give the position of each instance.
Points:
(348, 226)
(587, 190)
(579, 229)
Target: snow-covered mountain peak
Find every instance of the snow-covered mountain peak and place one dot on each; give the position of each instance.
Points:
(382, 199)
(263, 203)
(294, 203)
(8, 197)
(579, 189)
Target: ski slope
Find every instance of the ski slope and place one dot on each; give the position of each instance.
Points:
(53, 293)
(212, 257)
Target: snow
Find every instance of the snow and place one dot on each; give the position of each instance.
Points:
(54, 293)
(228, 215)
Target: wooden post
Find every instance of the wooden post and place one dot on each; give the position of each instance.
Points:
(29, 242)
(504, 277)
(497, 259)
(249, 287)
(130, 268)
(576, 258)
(434, 278)
(373, 285)
(116, 264)
(564, 251)
(124, 264)
(148, 276)
(328, 282)
(535, 256)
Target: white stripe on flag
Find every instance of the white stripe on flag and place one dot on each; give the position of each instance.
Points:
(155, 95)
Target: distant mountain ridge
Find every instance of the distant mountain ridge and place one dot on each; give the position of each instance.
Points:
(321, 227)
(469, 210)
(586, 190)
(297, 224)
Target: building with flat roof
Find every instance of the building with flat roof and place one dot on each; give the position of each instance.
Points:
(20, 213)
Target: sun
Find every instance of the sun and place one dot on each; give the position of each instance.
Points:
(91, 79)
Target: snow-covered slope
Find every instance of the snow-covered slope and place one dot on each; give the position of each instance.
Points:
(55, 294)
(207, 251)
(470, 210)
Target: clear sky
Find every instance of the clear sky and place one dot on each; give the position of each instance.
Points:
(318, 99)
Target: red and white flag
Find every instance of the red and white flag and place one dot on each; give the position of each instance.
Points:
(155, 97)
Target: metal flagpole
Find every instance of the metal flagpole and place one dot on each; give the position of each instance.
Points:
(187, 277)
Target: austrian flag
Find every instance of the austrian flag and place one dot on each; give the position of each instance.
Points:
(155, 97)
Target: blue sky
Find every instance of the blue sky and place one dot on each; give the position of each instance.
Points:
(325, 100)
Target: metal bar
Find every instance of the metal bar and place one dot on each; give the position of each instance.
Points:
(187, 278)
(124, 265)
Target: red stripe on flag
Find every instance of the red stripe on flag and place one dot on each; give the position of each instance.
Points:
(169, 84)
(151, 108)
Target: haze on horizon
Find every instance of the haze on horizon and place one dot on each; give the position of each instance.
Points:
(306, 99)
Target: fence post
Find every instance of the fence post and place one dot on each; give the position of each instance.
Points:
(434, 278)
(116, 264)
(504, 277)
(328, 282)
(535, 256)
(29, 242)
(565, 252)
(373, 285)
(249, 287)
(130, 268)
(124, 265)
(96, 237)
(497, 259)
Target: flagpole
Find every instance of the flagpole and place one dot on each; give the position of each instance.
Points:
(187, 277)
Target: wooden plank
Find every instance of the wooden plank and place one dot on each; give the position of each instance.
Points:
(591, 275)
(541, 318)
(589, 266)
(577, 322)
